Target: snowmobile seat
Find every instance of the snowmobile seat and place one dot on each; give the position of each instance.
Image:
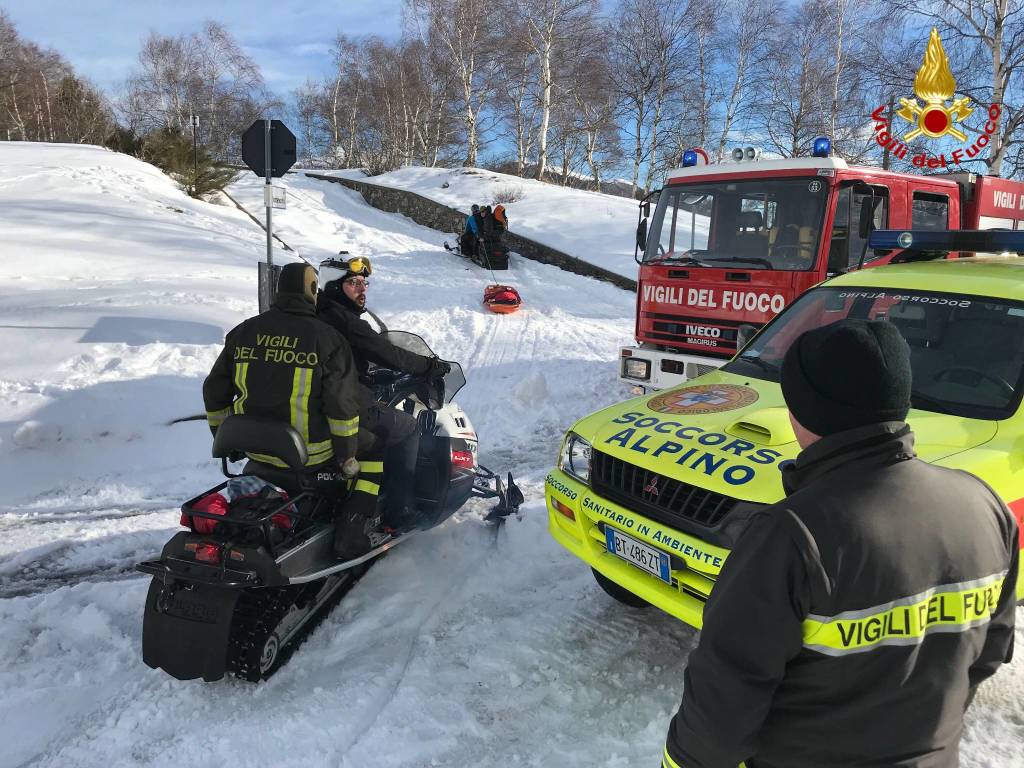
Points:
(252, 434)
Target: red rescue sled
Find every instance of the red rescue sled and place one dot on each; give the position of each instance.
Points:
(503, 299)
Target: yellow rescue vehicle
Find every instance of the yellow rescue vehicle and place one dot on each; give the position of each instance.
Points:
(653, 492)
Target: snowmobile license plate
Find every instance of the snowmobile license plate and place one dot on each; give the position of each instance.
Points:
(639, 554)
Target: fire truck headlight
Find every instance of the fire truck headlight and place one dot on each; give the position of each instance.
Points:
(822, 146)
(576, 458)
(636, 368)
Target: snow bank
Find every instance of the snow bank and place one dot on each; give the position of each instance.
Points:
(115, 293)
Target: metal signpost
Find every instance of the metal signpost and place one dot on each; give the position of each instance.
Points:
(268, 149)
(194, 120)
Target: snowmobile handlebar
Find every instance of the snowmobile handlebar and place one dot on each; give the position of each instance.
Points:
(392, 386)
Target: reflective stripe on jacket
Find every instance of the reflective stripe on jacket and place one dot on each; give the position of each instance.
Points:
(286, 364)
(853, 620)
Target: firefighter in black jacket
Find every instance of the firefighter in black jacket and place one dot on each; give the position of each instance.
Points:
(853, 620)
(286, 364)
(395, 434)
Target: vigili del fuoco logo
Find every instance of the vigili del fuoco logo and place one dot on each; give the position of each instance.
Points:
(937, 117)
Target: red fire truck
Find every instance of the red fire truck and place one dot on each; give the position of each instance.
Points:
(730, 245)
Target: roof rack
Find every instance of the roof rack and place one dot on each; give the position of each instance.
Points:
(921, 245)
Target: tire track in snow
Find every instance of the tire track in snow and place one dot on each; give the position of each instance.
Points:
(429, 615)
(77, 545)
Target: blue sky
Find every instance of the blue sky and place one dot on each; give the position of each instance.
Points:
(290, 40)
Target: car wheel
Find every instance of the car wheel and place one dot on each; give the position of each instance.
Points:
(621, 594)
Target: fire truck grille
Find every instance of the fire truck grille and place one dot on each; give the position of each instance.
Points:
(656, 496)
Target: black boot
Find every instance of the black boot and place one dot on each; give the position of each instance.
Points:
(356, 533)
(401, 511)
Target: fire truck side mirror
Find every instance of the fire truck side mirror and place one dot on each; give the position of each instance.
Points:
(744, 334)
(646, 208)
(866, 223)
(641, 235)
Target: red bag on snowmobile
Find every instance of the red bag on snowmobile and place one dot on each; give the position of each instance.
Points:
(218, 504)
(502, 299)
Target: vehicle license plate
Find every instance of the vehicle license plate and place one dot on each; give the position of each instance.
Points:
(639, 554)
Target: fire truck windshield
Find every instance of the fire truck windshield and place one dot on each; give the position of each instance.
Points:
(752, 224)
(966, 352)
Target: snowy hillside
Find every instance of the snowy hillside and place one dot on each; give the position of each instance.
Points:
(115, 292)
(597, 228)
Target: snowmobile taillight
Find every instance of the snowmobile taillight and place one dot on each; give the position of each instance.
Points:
(462, 460)
(204, 551)
(567, 511)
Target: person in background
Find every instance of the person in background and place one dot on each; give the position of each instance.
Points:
(854, 620)
(471, 232)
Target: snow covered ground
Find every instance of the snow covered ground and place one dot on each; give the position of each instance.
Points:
(599, 229)
(115, 291)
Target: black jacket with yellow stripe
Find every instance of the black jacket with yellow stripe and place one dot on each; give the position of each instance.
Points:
(286, 364)
(853, 620)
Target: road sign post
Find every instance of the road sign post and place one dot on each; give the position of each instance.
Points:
(269, 168)
(268, 149)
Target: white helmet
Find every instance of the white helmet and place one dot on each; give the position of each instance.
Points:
(342, 266)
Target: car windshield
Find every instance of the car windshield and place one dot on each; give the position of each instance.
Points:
(966, 352)
(752, 224)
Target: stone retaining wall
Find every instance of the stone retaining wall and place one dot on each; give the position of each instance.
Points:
(437, 216)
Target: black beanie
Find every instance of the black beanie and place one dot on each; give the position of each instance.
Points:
(298, 279)
(846, 375)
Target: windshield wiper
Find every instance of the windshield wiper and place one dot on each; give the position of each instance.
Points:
(926, 403)
(677, 259)
(752, 260)
(764, 365)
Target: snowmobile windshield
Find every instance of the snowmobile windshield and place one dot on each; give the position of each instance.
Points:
(758, 223)
(453, 381)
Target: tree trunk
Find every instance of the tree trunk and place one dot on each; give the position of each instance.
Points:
(886, 153)
(594, 170)
(998, 78)
(638, 151)
(49, 112)
(730, 110)
(837, 73)
(545, 119)
(335, 128)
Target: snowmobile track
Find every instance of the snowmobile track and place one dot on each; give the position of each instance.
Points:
(258, 614)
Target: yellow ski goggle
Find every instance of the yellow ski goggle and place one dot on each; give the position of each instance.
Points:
(359, 265)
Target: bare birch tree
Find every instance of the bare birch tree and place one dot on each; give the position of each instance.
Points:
(464, 29)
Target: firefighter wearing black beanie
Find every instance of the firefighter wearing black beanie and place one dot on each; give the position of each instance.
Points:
(834, 635)
(847, 374)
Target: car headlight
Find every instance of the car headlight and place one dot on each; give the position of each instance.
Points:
(576, 457)
(636, 368)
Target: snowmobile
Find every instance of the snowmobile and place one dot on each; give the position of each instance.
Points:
(242, 587)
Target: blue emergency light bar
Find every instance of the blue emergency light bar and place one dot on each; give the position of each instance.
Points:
(822, 147)
(976, 240)
(689, 158)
